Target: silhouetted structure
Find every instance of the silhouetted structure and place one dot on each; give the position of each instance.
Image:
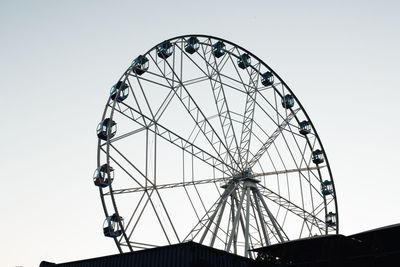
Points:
(377, 247)
(188, 254)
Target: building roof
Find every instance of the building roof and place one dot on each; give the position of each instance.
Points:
(377, 245)
(320, 247)
(183, 254)
(380, 239)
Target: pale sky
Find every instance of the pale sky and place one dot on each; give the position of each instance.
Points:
(60, 58)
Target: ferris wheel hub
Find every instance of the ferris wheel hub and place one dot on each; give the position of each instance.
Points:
(243, 175)
(246, 177)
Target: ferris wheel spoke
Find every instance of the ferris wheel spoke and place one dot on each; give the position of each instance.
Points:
(267, 224)
(175, 139)
(133, 214)
(253, 217)
(247, 232)
(262, 222)
(167, 100)
(157, 213)
(128, 134)
(315, 214)
(247, 124)
(160, 111)
(280, 190)
(248, 119)
(204, 181)
(118, 105)
(259, 139)
(158, 218)
(241, 211)
(152, 81)
(278, 229)
(271, 139)
(146, 191)
(125, 170)
(257, 226)
(276, 122)
(145, 97)
(301, 175)
(235, 222)
(239, 82)
(252, 222)
(293, 208)
(240, 90)
(168, 216)
(140, 214)
(140, 245)
(204, 221)
(221, 104)
(168, 186)
(197, 115)
(218, 211)
(274, 107)
(208, 76)
(184, 54)
(230, 53)
(254, 135)
(288, 171)
(195, 80)
(233, 232)
(192, 203)
(302, 152)
(275, 102)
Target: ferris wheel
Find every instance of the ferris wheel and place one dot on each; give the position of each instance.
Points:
(201, 141)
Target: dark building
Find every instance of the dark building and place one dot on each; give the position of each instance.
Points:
(188, 254)
(378, 247)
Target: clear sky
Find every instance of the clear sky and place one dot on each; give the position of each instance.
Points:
(58, 60)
